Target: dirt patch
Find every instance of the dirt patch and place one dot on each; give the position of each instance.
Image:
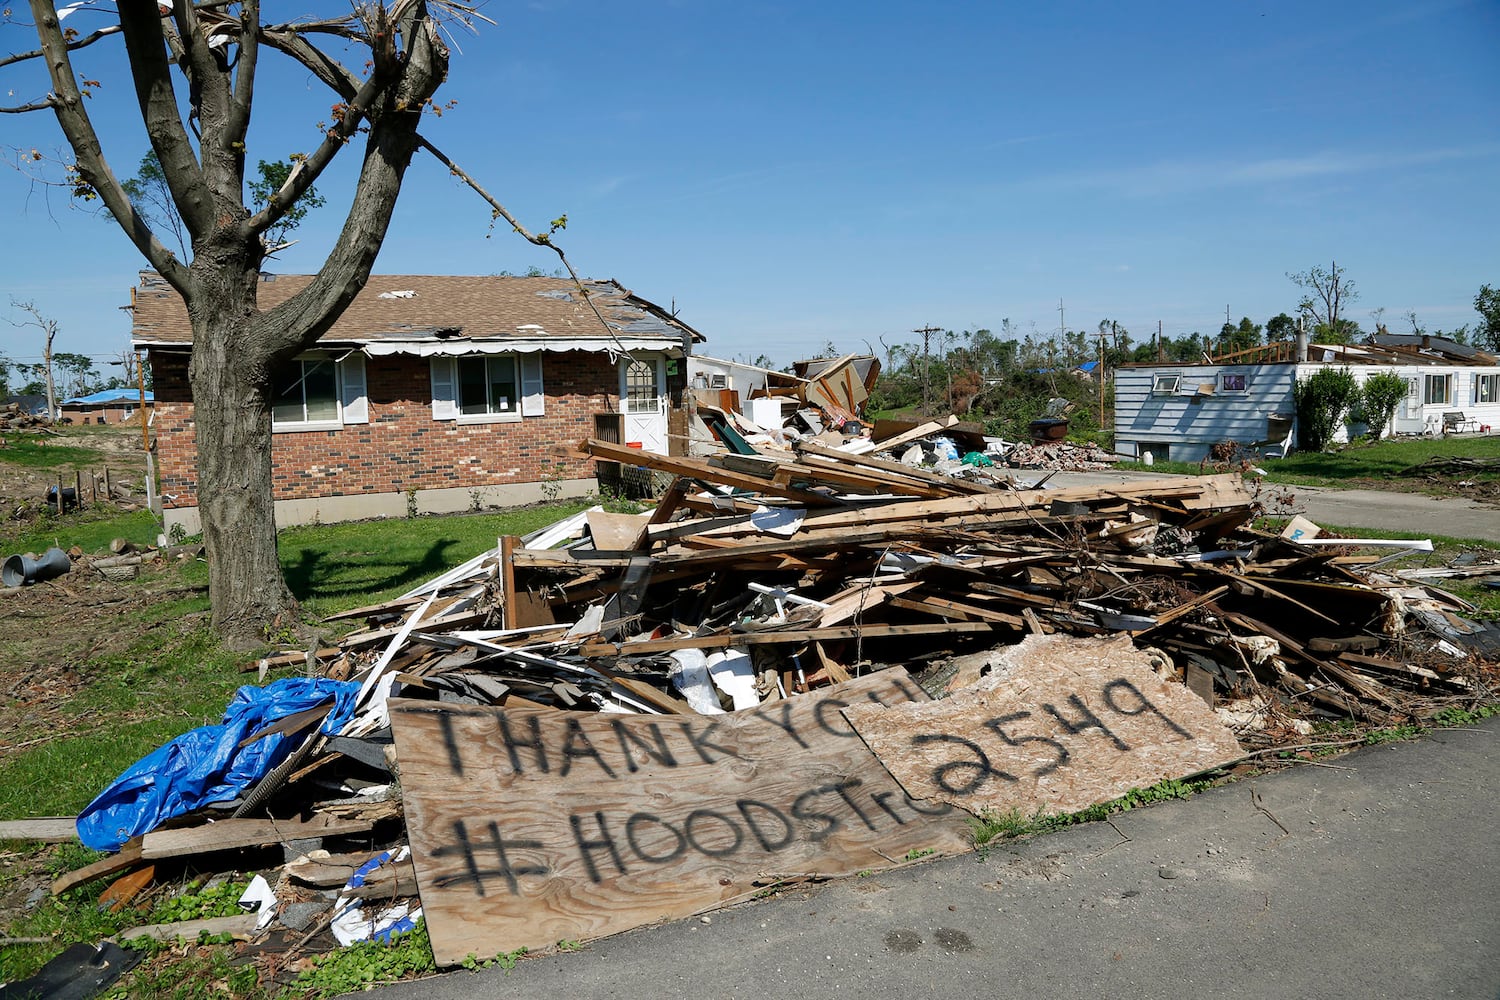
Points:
(88, 461)
(51, 632)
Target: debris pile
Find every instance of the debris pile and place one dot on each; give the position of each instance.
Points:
(1060, 455)
(15, 418)
(769, 589)
(822, 405)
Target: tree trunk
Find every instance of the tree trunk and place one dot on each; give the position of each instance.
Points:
(52, 411)
(232, 416)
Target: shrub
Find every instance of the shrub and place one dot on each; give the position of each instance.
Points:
(1381, 394)
(1322, 400)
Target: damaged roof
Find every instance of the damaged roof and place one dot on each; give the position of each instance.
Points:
(408, 307)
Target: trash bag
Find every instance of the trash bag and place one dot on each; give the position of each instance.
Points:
(980, 459)
(208, 764)
(944, 448)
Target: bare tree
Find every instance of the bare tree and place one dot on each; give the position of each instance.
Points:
(198, 134)
(48, 326)
(1325, 293)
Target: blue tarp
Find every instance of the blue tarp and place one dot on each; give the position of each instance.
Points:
(208, 764)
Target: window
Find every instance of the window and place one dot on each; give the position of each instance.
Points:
(1232, 383)
(319, 392)
(642, 395)
(718, 380)
(487, 388)
(1438, 389)
(1165, 385)
(1487, 388)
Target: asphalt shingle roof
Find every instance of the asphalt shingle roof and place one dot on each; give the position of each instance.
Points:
(415, 306)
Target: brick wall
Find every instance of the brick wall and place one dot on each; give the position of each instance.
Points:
(402, 447)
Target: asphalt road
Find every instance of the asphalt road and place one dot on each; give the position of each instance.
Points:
(1407, 512)
(1371, 876)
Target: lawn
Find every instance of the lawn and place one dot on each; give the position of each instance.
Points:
(1369, 465)
(36, 452)
(103, 672)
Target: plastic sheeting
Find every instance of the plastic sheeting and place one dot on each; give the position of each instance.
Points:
(208, 764)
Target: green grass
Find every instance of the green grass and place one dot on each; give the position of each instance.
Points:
(1382, 461)
(173, 675)
(332, 568)
(1370, 464)
(994, 826)
(91, 529)
(35, 452)
(170, 675)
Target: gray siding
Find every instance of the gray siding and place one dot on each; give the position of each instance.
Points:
(1188, 422)
(1183, 426)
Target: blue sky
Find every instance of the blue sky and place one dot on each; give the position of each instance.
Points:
(789, 174)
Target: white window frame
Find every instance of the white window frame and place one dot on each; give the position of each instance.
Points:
(491, 362)
(1224, 378)
(1486, 388)
(530, 390)
(351, 402)
(1166, 383)
(1429, 398)
(633, 403)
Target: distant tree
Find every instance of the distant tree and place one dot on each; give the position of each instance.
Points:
(78, 376)
(152, 196)
(1381, 394)
(1325, 294)
(1487, 304)
(35, 382)
(4, 375)
(274, 177)
(1280, 327)
(43, 372)
(1240, 337)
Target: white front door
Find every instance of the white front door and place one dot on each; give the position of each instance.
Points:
(643, 400)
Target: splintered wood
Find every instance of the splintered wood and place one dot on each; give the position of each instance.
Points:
(623, 718)
(531, 827)
(1061, 724)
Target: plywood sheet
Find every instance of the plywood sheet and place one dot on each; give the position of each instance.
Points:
(533, 826)
(1059, 724)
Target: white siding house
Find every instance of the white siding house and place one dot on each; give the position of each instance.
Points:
(1179, 411)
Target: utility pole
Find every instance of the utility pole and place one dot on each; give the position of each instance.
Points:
(1062, 321)
(948, 364)
(1101, 380)
(926, 332)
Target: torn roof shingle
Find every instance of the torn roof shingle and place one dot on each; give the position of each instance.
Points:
(407, 307)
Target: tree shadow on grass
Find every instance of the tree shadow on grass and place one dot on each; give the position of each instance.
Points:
(310, 574)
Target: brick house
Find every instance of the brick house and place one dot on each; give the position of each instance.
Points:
(107, 406)
(432, 393)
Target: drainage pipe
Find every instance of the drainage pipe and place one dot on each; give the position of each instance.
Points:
(19, 570)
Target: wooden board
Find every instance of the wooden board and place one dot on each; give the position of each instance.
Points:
(531, 827)
(228, 834)
(1060, 724)
(48, 829)
(125, 858)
